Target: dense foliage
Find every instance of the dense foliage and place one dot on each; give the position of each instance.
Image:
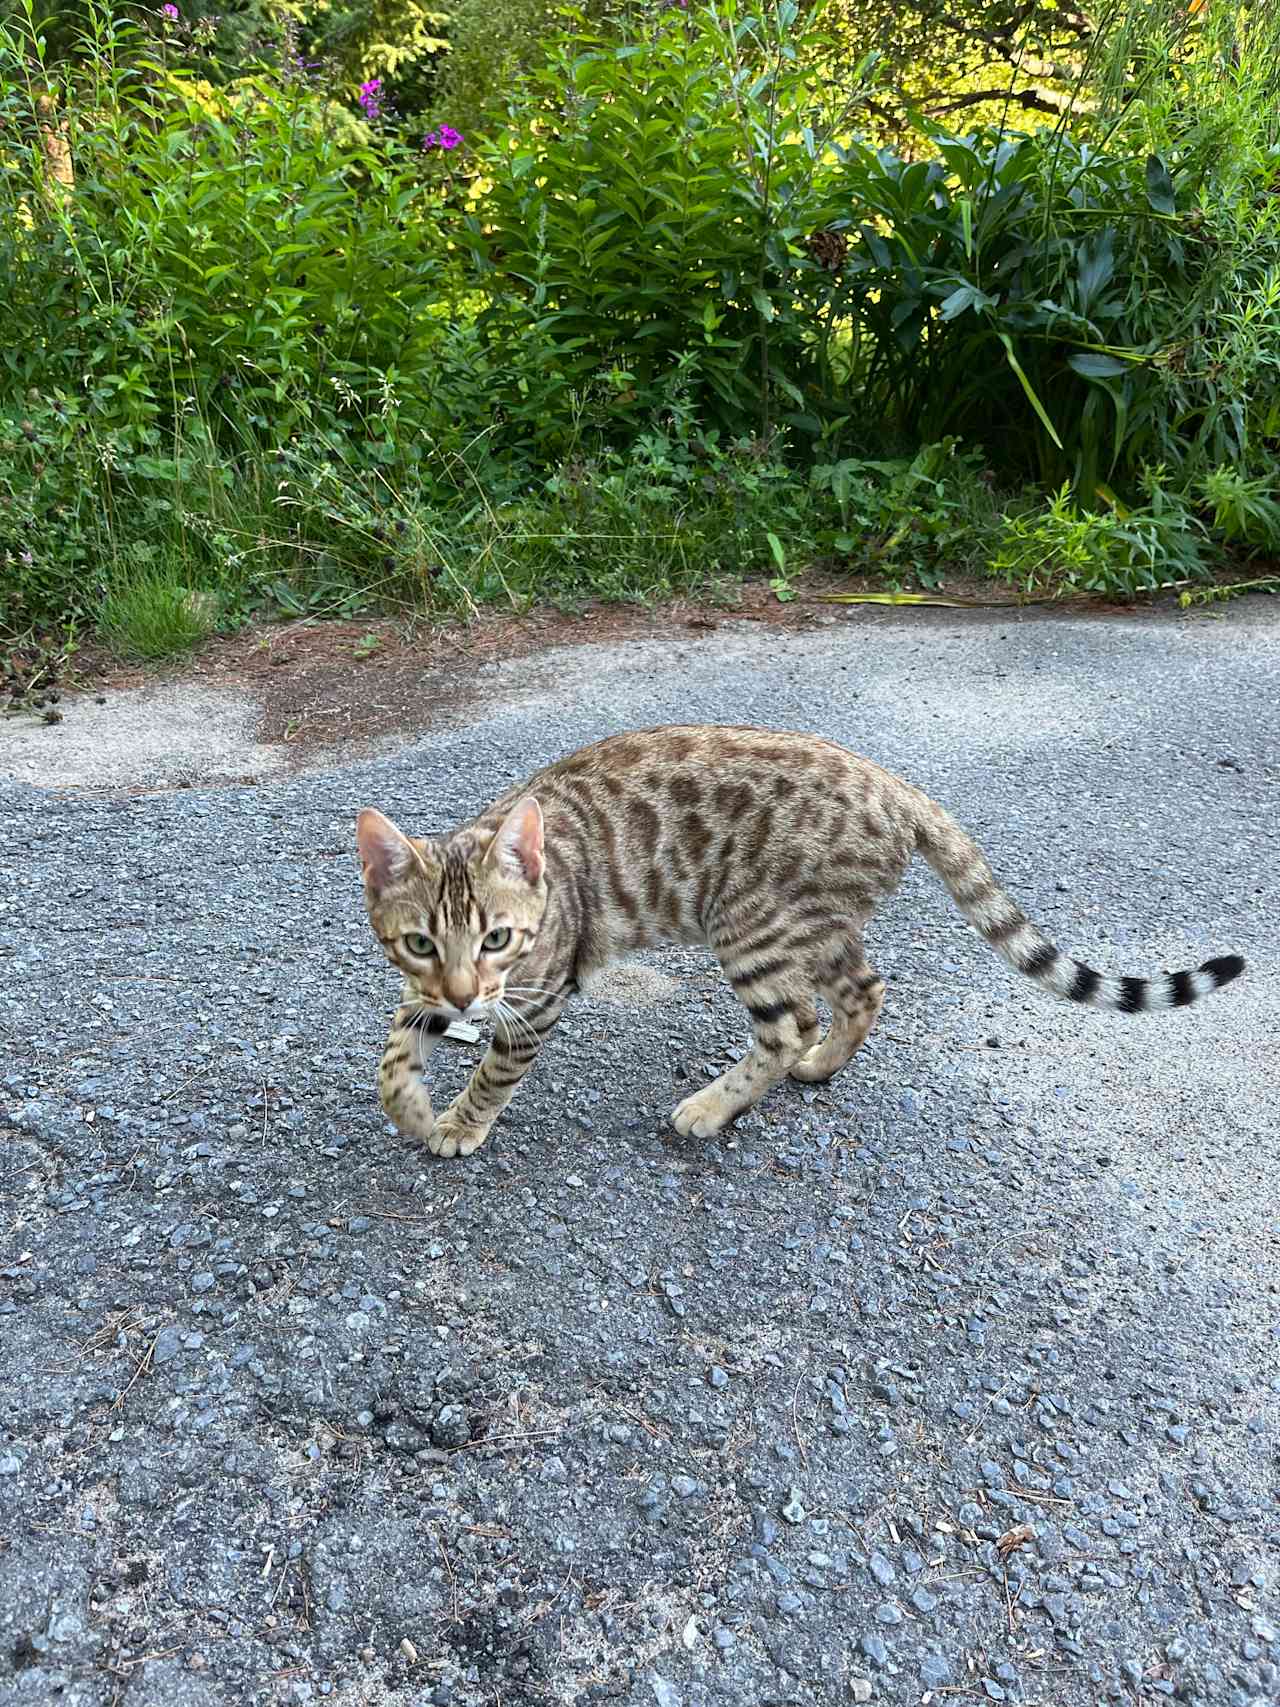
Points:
(705, 292)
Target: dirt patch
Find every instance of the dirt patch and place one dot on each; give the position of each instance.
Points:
(323, 685)
(284, 696)
(632, 984)
(139, 740)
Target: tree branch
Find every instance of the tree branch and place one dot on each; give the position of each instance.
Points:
(1030, 100)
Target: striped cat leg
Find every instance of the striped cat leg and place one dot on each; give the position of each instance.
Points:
(783, 1031)
(855, 993)
(464, 1125)
(402, 1089)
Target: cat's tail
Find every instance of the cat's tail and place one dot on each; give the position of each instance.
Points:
(960, 864)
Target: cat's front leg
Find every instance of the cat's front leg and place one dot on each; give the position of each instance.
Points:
(464, 1125)
(402, 1089)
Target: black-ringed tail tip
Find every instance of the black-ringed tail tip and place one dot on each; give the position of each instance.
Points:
(1001, 923)
(1071, 979)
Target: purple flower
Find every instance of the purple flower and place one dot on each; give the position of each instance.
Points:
(443, 136)
(371, 98)
(170, 12)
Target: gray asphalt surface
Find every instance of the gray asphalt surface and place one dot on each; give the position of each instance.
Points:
(956, 1380)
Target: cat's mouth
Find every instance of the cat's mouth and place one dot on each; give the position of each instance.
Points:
(446, 1012)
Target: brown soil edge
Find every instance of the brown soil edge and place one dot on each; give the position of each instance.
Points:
(326, 686)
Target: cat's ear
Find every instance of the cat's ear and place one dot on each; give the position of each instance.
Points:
(385, 854)
(516, 850)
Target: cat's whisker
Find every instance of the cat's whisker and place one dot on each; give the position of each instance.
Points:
(515, 1028)
(514, 1017)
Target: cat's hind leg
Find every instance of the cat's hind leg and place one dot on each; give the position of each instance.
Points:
(855, 993)
(783, 1030)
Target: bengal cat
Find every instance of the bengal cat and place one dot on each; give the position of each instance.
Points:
(773, 849)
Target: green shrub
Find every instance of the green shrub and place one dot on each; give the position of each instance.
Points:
(240, 251)
(1245, 510)
(677, 511)
(648, 208)
(677, 326)
(1063, 548)
(1065, 307)
(912, 516)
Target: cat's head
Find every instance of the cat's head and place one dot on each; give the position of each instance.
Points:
(456, 917)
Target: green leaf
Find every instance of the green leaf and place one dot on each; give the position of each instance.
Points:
(763, 304)
(778, 550)
(1027, 386)
(1097, 263)
(968, 296)
(1159, 185)
(1091, 366)
(965, 207)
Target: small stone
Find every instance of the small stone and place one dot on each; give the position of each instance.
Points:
(888, 1613)
(923, 1601)
(880, 1569)
(718, 1377)
(992, 1689)
(793, 1511)
(935, 1671)
(408, 1650)
(167, 1344)
(860, 1688)
(664, 1693)
(9, 1465)
(686, 1486)
(196, 1662)
(872, 1648)
(367, 1655)
(451, 1427)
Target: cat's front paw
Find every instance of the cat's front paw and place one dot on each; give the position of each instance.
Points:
(408, 1107)
(703, 1114)
(452, 1136)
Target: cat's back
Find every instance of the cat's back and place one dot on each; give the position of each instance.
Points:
(648, 759)
(706, 779)
(655, 834)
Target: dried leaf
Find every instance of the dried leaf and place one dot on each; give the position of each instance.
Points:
(1012, 1539)
(925, 599)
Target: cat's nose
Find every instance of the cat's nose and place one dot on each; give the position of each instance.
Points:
(461, 992)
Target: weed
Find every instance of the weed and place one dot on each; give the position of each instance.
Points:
(1063, 548)
(150, 613)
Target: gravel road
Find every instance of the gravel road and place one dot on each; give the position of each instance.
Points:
(957, 1380)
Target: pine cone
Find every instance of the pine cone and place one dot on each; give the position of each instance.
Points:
(829, 249)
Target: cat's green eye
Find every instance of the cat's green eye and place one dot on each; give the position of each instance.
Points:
(497, 940)
(419, 945)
